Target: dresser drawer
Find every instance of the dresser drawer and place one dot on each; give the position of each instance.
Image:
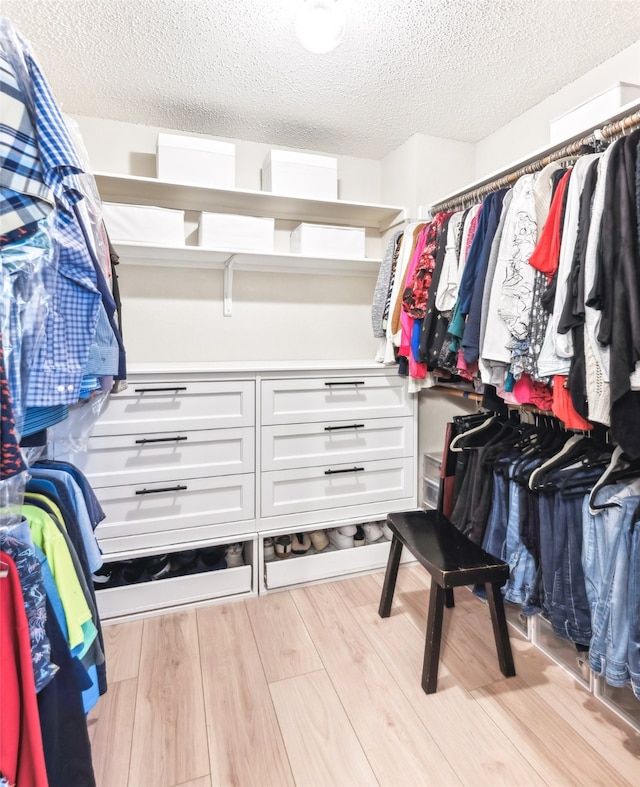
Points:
(168, 406)
(150, 508)
(334, 486)
(309, 445)
(168, 456)
(360, 396)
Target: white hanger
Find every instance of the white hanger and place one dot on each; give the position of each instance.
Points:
(483, 425)
(552, 460)
(615, 456)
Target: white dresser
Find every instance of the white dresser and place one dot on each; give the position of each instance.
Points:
(191, 457)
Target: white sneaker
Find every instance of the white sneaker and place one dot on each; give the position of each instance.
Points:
(372, 532)
(340, 540)
(233, 555)
(347, 530)
(386, 532)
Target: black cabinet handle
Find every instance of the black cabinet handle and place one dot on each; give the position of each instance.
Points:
(347, 382)
(175, 439)
(178, 488)
(349, 426)
(160, 390)
(348, 470)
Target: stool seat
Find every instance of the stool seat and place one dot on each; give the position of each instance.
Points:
(452, 560)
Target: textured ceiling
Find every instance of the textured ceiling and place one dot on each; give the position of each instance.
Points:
(450, 68)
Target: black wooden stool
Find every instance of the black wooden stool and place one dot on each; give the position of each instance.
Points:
(452, 560)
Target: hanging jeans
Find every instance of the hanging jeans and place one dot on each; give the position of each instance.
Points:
(634, 608)
(609, 651)
(522, 569)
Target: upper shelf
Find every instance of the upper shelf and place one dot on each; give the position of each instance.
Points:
(151, 191)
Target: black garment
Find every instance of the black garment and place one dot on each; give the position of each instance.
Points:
(65, 738)
(619, 261)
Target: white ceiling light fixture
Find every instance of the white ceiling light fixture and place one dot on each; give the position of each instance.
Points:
(320, 25)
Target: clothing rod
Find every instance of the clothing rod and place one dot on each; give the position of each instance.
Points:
(572, 149)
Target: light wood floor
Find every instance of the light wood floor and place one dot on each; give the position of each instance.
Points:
(311, 687)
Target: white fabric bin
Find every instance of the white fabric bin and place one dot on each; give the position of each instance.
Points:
(596, 110)
(320, 240)
(231, 231)
(300, 175)
(196, 161)
(144, 224)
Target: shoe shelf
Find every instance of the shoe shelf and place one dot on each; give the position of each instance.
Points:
(330, 563)
(207, 573)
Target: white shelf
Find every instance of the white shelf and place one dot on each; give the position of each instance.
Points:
(198, 257)
(130, 189)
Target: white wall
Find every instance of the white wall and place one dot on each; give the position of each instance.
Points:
(175, 314)
(530, 131)
(423, 169)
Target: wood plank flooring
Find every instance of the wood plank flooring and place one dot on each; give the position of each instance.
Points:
(310, 687)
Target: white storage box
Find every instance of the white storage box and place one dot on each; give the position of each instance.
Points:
(596, 110)
(230, 231)
(196, 161)
(300, 175)
(144, 224)
(319, 240)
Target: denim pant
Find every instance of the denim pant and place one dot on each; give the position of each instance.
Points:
(565, 600)
(522, 568)
(634, 610)
(610, 644)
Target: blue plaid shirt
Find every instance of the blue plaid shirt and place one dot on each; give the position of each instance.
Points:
(57, 361)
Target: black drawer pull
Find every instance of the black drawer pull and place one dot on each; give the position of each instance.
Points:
(348, 470)
(175, 439)
(347, 382)
(178, 488)
(175, 388)
(349, 426)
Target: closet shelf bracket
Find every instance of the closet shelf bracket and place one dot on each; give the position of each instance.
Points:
(228, 286)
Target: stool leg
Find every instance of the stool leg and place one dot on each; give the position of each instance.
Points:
(390, 577)
(448, 598)
(500, 630)
(432, 642)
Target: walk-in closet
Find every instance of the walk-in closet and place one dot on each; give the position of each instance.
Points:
(320, 393)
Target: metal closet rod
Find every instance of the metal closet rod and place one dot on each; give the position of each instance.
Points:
(573, 149)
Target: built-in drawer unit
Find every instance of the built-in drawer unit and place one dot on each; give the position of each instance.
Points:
(308, 445)
(336, 485)
(139, 458)
(139, 515)
(162, 406)
(358, 396)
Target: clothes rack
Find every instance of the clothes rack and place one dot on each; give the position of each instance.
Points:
(510, 176)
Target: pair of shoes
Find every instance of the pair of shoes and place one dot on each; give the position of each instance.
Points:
(372, 532)
(233, 555)
(283, 546)
(386, 531)
(339, 540)
(268, 550)
(300, 543)
(359, 540)
(212, 559)
(319, 540)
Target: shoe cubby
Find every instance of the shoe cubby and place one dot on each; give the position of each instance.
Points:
(328, 563)
(562, 651)
(517, 619)
(159, 581)
(621, 700)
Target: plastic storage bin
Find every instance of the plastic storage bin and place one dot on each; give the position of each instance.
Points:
(144, 224)
(319, 240)
(231, 231)
(300, 175)
(196, 161)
